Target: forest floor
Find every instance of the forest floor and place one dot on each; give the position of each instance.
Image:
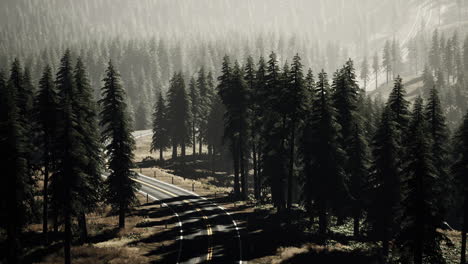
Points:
(106, 242)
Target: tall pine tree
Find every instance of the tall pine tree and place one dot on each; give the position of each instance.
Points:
(439, 136)
(178, 114)
(385, 181)
(460, 170)
(160, 140)
(14, 191)
(296, 97)
(323, 156)
(274, 157)
(70, 171)
(120, 144)
(46, 116)
(195, 115)
(421, 214)
(90, 182)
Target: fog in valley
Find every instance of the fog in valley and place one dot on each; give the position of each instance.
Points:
(233, 131)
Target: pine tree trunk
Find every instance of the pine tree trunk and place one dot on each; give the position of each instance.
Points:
(161, 158)
(255, 171)
(282, 184)
(236, 173)
(194, 145)
(83, 227)
(356, 222)
(121, 215)
(464, 230)
(213, 153)
(200, 145)
(13, 247)
(385, 237)
(419, 222)
(291, 166)
(259, 173)
(67, 239)
(13, 243)
(56, 221)
(174, 150)
(323, 221)
(243, 175)
(182, 151)
(45, 215)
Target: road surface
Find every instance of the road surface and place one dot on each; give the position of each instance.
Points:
(207, 232)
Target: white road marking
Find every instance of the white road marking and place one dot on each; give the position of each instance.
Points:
(181, 237)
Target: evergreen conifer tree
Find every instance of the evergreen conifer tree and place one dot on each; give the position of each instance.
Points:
(385, 180)
(70, 170)
(428, 82)
(387, 59)
(323, 156)
(215, 128)
(178, 114)
(359, 174)
(195, 112)
(46, 115)
(460, 170)
(421, 215)
(439, 137)
(255, 120)
(296, 97)
(119, 144)
(160, 140)
(14, 191)
(204, 106)
(399, 105)
(225, 90)
(274, 161)
(90, 182)
(376, 68)
(345, 95)
(365, 72)
(434, 54)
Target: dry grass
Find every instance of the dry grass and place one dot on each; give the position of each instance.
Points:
(451, 248)
(143, 149)
(91, 254)
(117, 246)
(200, 186)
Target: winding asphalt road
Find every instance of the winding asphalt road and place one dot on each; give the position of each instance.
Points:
(207, 232)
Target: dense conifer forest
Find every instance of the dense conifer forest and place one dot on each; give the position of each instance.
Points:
(365, 127)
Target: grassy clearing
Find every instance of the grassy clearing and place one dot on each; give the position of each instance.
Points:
(196, 175)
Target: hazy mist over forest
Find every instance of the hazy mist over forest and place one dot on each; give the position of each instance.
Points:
(234, 131)
(325, 33)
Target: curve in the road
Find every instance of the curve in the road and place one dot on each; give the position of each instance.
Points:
(209, 227)
(181, 229)
(209, 230)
